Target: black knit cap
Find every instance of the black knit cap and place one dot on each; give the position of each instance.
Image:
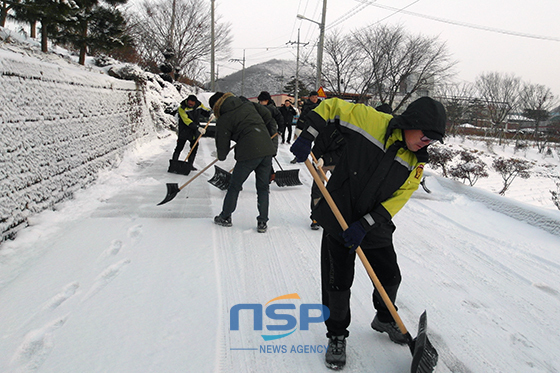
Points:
(425, 114)
(192, 98)
(214, 98)
(264, 96)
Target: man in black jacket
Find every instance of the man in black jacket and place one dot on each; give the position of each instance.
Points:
(288, 112)
(265, 100)
(190, 112)
(251, 126)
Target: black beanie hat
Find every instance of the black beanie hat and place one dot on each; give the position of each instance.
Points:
(192, 98)
(425, 114)
(214, 98)
(264, 96)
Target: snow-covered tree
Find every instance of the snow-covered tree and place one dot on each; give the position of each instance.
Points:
(50, 13)
(96, 26)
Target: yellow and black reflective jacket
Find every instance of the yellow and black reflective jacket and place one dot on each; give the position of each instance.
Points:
(376, 174)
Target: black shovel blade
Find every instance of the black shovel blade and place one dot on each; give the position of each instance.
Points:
(287, 178)
(220, 179)
(172, 190)
(179, 167)
(424, 356)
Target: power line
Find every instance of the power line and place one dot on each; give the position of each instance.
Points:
(347, 15)
(464, 24)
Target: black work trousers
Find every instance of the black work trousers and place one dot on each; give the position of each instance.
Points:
(337, 276)
(181, 145)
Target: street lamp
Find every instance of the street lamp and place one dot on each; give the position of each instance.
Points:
(321, 41)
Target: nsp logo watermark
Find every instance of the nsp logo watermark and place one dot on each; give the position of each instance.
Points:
(308, 313)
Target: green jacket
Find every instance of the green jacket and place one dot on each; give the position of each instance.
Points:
(244, 123)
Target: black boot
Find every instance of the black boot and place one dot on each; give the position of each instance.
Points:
(335, 358)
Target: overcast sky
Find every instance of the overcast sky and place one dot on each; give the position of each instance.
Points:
(482, 35)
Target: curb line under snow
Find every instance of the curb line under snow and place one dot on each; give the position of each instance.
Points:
(539, 217)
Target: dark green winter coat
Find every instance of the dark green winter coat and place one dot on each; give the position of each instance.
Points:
(244, 123)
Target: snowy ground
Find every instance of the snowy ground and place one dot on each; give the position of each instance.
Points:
(110, 282)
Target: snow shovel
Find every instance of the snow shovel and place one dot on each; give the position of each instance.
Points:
(184, 167)
(286, 177)
(174, 188)
(222, 177)
(424, 355)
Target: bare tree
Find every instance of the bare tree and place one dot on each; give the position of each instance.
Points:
(341, 61)
(457, 99)
(500, 93)
(398, 64)
(536, 101)
(182, 26)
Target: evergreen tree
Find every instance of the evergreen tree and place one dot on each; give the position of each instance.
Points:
(50, 13)
(97, 26)
(291, 85)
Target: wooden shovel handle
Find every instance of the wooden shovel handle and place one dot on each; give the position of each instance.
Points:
(359, 250)
(199, 136)
(212, 163)
(202, 171)
(323, 174)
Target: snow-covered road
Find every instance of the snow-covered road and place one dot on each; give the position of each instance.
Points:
(110, 282)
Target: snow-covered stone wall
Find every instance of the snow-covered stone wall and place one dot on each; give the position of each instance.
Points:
(60, 123)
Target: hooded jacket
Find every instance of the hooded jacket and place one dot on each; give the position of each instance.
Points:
(244, 123)
(376, 173)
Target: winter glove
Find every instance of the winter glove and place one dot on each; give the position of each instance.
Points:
(301, 149)
(320, 163)
(354, 235)
(202, 130)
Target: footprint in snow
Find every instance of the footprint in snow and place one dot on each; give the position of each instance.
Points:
(36, 346)
(105, 277)
(113, 249)
(68, 291)
(136, 231)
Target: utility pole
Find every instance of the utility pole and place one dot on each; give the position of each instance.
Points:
(321, 41)
(242, 62)
(297, 68)
(212, 52)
